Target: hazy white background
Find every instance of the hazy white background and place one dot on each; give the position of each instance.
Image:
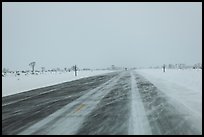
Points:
(98, 35)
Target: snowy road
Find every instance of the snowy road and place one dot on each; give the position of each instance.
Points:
(115, 103)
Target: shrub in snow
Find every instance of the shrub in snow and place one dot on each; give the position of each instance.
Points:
(32, 64)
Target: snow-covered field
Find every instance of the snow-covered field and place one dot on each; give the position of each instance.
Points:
(183, 86)
(12, 84)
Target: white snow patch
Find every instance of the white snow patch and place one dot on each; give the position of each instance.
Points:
(12, 84)
(181, 86)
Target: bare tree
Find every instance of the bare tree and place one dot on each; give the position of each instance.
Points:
(32, 64)
(75, 68)
(5, 70)
(163, 68)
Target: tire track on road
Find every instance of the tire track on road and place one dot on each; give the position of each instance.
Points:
(111, 115)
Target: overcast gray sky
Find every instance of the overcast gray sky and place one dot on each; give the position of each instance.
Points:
(97, 35)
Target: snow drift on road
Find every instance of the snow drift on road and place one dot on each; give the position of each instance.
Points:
(183, 86)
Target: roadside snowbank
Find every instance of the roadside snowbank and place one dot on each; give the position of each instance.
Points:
(12, 84)
(184, 86)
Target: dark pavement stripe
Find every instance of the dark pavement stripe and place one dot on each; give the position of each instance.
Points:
(18, 116)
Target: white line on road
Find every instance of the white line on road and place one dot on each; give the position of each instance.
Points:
(138, 122)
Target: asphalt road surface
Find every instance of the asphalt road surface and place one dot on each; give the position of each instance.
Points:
(114, 103)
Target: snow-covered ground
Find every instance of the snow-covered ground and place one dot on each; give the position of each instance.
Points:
(147, 101)
(183, 86)
(12, 84)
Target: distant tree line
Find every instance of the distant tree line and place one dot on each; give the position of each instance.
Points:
(179, 66)
(184, 66)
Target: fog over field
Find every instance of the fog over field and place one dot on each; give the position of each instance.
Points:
(98, 35)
